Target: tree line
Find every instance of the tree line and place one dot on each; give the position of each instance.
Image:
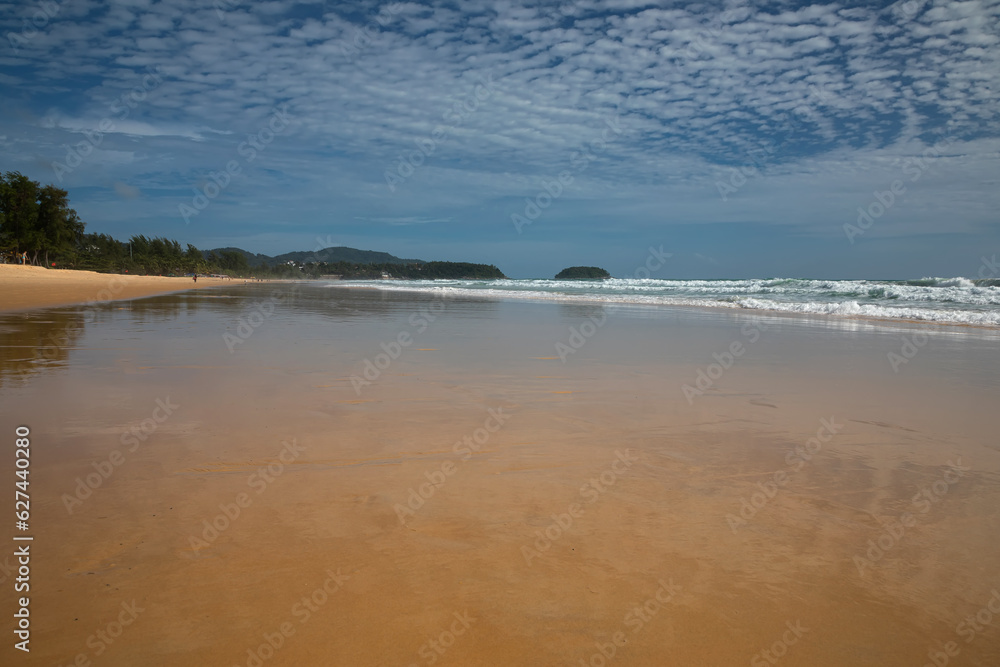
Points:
(37, 220)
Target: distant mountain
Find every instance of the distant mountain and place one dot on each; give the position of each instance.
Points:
(329, 255)
(253, 259)
(345, 254)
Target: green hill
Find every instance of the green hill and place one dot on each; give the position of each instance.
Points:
(583, 273)
(329, 255)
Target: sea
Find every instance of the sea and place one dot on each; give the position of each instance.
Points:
(955, 301)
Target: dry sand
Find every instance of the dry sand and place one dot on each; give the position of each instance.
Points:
(23, 287)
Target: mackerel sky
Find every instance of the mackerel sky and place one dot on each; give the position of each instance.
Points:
(748, 139)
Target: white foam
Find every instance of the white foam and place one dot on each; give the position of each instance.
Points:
(950, 301)
(951, 282)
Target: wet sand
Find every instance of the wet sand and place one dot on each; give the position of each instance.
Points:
(401, 523)
(25, 287)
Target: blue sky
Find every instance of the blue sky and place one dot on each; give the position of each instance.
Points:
(742, 137)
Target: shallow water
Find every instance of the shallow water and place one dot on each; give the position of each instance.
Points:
(599, 508)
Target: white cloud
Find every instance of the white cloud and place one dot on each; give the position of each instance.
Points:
(833, 88)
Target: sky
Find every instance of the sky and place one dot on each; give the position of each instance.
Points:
(744, 139)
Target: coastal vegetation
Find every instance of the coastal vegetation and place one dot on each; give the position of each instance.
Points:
(583, 273)
(38, 225)
(36, 220)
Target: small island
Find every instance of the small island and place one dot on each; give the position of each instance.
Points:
(583, 273)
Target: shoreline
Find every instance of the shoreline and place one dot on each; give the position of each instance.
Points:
(761, 312)
(25, 288)
(33, 287)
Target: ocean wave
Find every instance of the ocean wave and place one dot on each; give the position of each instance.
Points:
(942, 282)
(855, 309)
(883, 302)
(953, 291)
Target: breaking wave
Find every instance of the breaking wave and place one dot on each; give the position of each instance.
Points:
(955, 300)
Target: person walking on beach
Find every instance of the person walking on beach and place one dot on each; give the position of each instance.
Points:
(196, 277)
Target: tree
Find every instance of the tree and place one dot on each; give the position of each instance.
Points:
(37, 219)
(59, 227)
(100, 252)
(230, 260)
(19, 205)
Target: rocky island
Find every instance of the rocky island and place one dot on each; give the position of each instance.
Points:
(583, 273)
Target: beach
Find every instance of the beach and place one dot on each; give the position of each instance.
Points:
(23, 287)
(306, 474)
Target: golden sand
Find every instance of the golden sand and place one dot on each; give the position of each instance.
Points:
(23, 287)
(583, 521)
(504, 510)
